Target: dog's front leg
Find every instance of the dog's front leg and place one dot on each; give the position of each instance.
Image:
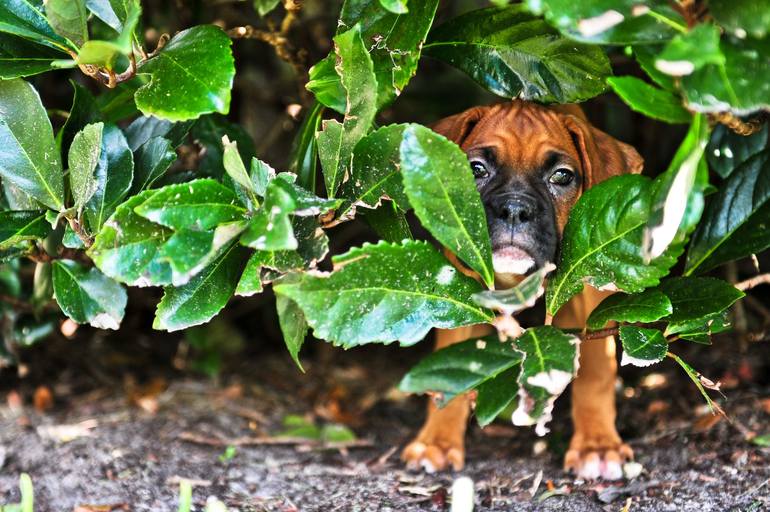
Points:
(441, 441)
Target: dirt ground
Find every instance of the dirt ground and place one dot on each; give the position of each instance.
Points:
(104, 449)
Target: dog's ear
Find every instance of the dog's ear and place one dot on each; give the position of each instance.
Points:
(601, 155)
(457, 127)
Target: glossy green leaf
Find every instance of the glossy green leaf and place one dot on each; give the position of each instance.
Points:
(461, 367)
(727, 150)
(83, 158)
(550, 362)
(102, 54)
(17, 226)
(647, 306)
(69, 19)
(203, 296)
(742, 17)
(356, 73)
(696, 299)
(304, 152)
(114, 174)
(250, 282)
(270, 227)
(514, 54)
(727, 87)
(645, 55)
(495, 395)
(114, 13)
(602, 242)
(88, 296)
(441, 189)
(293, 324)
(612, 21)
(24, 19)
(642, 347)
(20, 57)
(701, 330)
(199, 204)
(153, 158)
(84, 111)
(388, 222)
(690, 51)
(395, 6)
(145, 128)
(376, 172)
(234, 167)
(127, 246)
(192, 75)
(649, 100)
(306, 204)
(735, 222)
(29, 158)
(514, 299)
(385, 292)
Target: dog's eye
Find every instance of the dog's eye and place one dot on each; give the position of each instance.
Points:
(562, 177)
(479, 170)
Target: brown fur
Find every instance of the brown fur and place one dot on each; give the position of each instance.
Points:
(522, 133)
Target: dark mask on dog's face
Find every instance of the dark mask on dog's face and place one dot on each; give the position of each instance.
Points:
(531, 163)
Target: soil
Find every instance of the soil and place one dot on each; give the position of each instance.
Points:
(129, 445)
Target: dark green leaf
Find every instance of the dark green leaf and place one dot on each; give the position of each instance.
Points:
(642, 347)
(261, 174)
(700, 330)
(735, 222)
(293, 325)
(647, 306)
(388, 222)
(304, 153)
(203, 297)
(234, 167)
(461, 367)
(742, 17)
(153, 159)
(200, 204)
(68, 19)
(126, 248)
(514, 54)
(727, 150)
(496, 394)
(83, 158)
(270, 227)
(612, 21)
(649, 100)
(84, 111)
(207, 132)
(114, 13)
(441, 189)
(385, 292)
(29, 158)
(696, 299)
(20, 57)
(114, 174)
(645, 55)
(22, 18)
(145, 128)
(17, 226)
(191, 75)
(690, 51)
(88, 296)
(549, 365)
(306, 204)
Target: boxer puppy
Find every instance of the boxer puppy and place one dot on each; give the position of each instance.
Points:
(531, 164)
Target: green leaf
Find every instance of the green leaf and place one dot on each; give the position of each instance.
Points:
(549, 365)
(191, 75)
(395, 53)
(189, 251)
(203, 297)
(68, 19)
(696, 377)
(20, 57)
(649, 100)
(441, 189)
(385, 292)
(250, 282)
(145, 128)
(114, 174)
(127, 247)
(24, 19)
(647, 306)
(102, 54)
(522, 296)
(270, 227)
(304, 153)
(696, 299)
(642, 347)
(602, 242)
(461, 367)
(395, 6)
(375, 173)
(17, 226)
(645, 55)
(495, 395)
(29, 158)
(763, 440)
(293, 326)
(84, 111)
(199, 204)
(612, 21)
(742, 17)
(727, 150)
(691, 51)
(153, 158)
(234, 167)
(514, 54)
(700, 330)
(727, 87)
(83, 158)
(265, 6)
(677, 202)
(735, 222)
(114, 13)
(389, 223)
(88, 296)
(306, 204)
(356, 73)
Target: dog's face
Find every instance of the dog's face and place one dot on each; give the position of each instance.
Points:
(531, 163)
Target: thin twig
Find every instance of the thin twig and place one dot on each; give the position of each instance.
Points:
(748, 284)
(80, 232)
(601, 333)
(271, 441)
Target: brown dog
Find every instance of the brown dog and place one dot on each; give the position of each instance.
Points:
(531, 164)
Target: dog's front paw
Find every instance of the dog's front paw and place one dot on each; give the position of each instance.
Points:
(433, 455)
(593, 464)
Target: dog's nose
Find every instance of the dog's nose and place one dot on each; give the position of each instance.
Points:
(517, 210)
